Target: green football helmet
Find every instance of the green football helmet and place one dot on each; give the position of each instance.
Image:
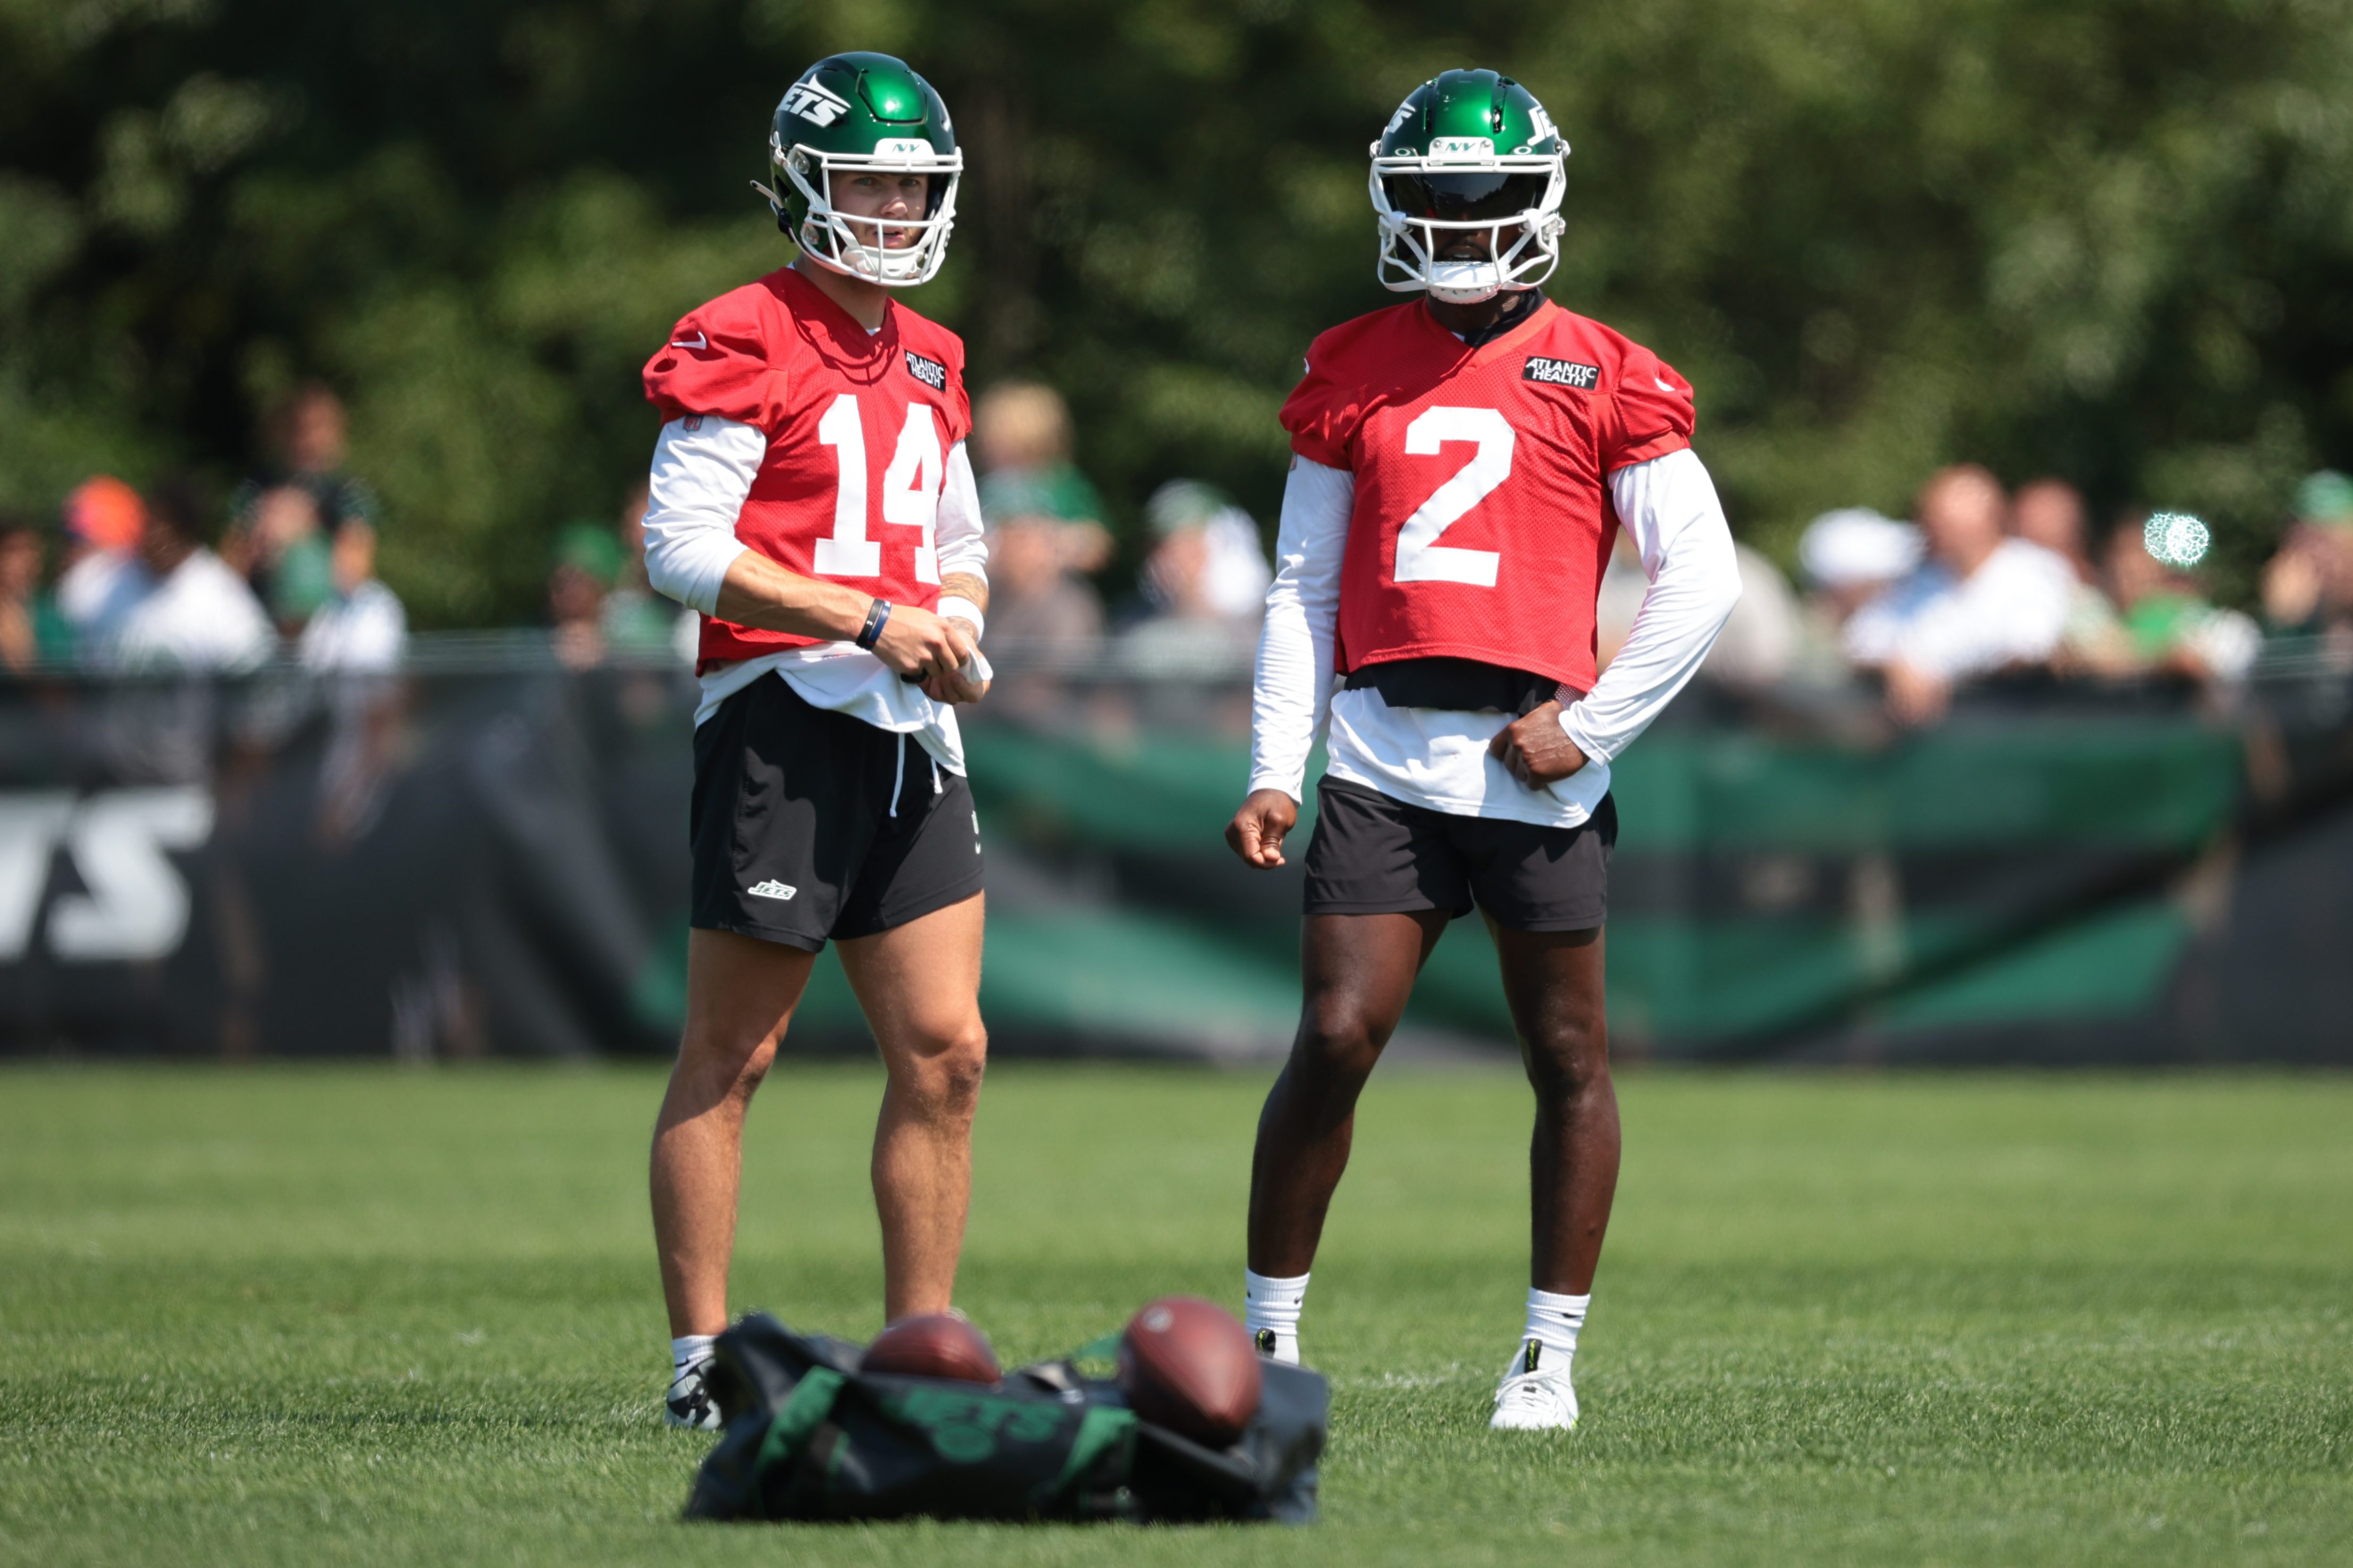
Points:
(863, 112)
(1469, 151)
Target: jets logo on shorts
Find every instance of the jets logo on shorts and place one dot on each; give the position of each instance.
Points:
(771, 888)
(930, 371)
(1562, 373)
(818, 105)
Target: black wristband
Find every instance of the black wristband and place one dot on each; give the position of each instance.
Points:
(878, 615)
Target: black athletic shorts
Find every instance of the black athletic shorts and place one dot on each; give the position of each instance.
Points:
(808, 824)
(1373, 856)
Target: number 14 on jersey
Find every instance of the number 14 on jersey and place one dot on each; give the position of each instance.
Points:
(911, 492)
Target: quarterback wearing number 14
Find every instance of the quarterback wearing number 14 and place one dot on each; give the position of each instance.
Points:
(811, 497)
(1461, 464)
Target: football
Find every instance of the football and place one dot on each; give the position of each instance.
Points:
(1187, 1364)
(936, 1344)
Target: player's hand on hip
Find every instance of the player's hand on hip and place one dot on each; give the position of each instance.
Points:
(1535, 750)
(917, 644)
(1256, 832)
(957, 685)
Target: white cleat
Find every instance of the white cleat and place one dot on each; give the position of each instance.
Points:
(1273, 1346)
(689, 1404)
(1535, 1395)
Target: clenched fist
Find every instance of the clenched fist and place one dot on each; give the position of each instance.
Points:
(1256, 832)
(1535, 750)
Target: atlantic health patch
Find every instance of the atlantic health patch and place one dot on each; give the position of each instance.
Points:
(930, 371)
(1562, 373)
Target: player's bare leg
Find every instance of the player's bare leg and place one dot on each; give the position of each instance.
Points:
(919, 986)
(1553, 983)
(1358, 971)
(740, 995)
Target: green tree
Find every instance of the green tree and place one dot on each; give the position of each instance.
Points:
(2106, 238)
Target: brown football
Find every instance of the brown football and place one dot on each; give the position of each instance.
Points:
(937, 1344)
(1188, 1364)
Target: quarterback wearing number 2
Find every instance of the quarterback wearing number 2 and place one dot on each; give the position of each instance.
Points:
(1461, 464)
(810, 496)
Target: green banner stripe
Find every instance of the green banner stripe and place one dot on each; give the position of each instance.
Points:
(2164, 783)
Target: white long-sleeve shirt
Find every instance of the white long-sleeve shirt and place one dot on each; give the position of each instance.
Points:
(1436, 758)
(695, 491)
(2011, 610)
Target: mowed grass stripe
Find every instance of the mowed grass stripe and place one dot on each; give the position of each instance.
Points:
(369, 1316)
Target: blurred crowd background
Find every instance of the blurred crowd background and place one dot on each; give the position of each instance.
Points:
(2103, 240)
(1974, 582)
(2024, 366)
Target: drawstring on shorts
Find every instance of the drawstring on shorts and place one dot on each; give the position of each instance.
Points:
(899, 779)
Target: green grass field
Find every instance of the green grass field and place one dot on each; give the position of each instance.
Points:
(357, 1316)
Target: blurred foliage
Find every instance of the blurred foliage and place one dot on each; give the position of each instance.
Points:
(2111, 239)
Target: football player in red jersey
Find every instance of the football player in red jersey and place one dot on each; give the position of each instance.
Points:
(1461, 465)
(810, 496)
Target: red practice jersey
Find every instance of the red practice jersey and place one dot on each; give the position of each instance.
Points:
(859, 427)
(1482, 516)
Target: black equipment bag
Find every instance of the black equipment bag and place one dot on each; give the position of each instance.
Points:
(809, 1437)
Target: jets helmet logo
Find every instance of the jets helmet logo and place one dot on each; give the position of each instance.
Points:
(819, 105)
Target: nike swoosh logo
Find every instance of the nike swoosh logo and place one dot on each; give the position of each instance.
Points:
(699, 342)
(1664, 385)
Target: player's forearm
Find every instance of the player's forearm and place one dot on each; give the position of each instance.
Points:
(1285, 711)
(1677, 521)
(759, 593)
(1290, 689)
(964, 597)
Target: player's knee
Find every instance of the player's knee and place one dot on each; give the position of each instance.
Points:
(1338, 1043)
(1569, 1062)
(941, 1075)
(719, 1068)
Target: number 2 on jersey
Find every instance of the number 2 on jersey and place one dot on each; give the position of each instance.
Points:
(1419, 557)
(911, 492)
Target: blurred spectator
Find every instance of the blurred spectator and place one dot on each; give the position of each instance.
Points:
(1980, 604)
(32, 631)
(2168, 625)
(2050, 513)
(1037, 600)
(180, 607)
(1205, 578)
(305, 581)
(103, 520)
(302, 491)
(2308, 585)
(1208, 561)
(587, 563)
(1853, 555)
(1046, 531)
(1848, 558)
(634, 619)
(360, 626)
(306, 436)
(1021, 433)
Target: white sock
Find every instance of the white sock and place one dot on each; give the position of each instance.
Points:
(1272, 1306)
(687, 1349)
(1553, 1322)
